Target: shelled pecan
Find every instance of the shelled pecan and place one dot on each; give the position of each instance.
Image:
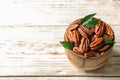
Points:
(94, 37)
(109, 30)
(105, 47)
(84, 31)
(96, 43)
(73, 26)
(111, 37)
(76, 49)
(99, 28)
(89, 54)
(68, 36)
(84, 45)
(92, 31)
(76, 38)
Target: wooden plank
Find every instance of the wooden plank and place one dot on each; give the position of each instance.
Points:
(26, 51)
(56, 12)
(34, 40)
(51, 65)
(35, 51)
(60, 78)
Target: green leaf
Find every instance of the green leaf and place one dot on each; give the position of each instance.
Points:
(87, 18)
(92, 23)
(67, 45)
(107, 41)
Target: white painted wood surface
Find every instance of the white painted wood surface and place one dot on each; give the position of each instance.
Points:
(30, 31)
(36, 52)
(56, 12)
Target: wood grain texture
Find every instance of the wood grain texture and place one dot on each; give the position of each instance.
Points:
(57, 12)
(52, 66)
(36, 40)
(35, 51)
(30, 32)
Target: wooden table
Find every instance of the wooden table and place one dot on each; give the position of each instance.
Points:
(30, 32)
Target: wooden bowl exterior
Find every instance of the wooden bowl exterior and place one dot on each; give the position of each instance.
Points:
(91, 63)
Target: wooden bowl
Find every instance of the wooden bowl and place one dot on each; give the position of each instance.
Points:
(91, 63)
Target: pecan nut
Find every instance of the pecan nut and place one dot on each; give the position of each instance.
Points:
(85, 32)
(111, 37)
(68, 36)
(84, 45)
(96, 47)
(92, 30)
(73, 36)
(76, 38)
(94, 37)
(104, 48)
(109, 30)
(89, 54)
(73, 26)
(97, 43)
(76, 50)
(99, 28)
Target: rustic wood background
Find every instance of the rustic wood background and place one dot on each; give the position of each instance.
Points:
(30, 31)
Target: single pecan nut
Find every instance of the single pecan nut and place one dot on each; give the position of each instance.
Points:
(94, 37)
(92, 31)
(85, 32)
(97, 43)
(99, 28)
(111, 37)
(109, 30)
(73, 36)
(84, 45)
(89, 54)
(104, 48)
(96, 47)
(76, 50)
(76, 38)
(68, 36)
(73, 26)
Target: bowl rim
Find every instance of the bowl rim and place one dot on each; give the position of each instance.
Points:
(108, 51)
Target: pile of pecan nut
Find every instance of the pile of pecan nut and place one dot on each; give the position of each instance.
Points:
(89, 42)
